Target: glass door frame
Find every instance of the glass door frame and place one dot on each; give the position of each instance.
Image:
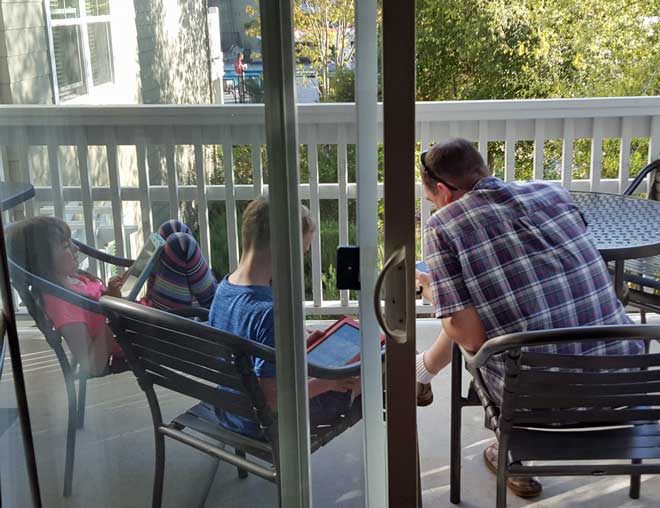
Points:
(403, 487)
(286, 250)
(399, 94)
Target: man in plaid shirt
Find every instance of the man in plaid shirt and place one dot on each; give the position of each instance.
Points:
(508, 257)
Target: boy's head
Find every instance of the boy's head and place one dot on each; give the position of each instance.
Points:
(256, 226)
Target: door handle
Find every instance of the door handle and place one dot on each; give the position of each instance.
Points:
(397, 257)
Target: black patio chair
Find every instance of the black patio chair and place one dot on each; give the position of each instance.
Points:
(30, 289)
(193, 358)
(643, 275)
(607, 407)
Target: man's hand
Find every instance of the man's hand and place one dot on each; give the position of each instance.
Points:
(463, 327)
(424, 280)
(114, 285)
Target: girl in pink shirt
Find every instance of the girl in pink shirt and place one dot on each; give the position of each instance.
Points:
(43, 246)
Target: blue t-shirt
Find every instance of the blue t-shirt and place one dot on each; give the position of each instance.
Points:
(246, 311)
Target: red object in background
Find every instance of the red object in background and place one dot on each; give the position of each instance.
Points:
(239, 66)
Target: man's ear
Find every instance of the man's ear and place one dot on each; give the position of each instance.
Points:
(444, 192)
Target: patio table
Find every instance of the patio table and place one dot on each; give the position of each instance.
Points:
(624, 227)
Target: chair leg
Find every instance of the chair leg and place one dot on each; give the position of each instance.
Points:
(455, 428)
(70, 453)
(502, 460)
(82, 400)
(642, 316)
(635, 481)
(242, 473)
(420, 502)
(159, 473)
(207, 491)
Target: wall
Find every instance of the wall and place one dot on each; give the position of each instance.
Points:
(24, 57)
(173, 51)
(232, 23)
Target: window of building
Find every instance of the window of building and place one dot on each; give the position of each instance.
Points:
(81, 46)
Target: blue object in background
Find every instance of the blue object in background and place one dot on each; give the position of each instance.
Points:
(421, 267)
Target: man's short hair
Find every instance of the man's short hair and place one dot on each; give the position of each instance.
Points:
(255, 234)
(456, 161)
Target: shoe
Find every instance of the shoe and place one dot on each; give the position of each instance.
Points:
(521, 486)
(424, 394)
(117, 364)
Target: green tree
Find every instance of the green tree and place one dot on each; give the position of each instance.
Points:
(500, 49)
(324, 32)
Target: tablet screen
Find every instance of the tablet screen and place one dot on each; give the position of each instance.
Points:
(136, 273)
(339, 348)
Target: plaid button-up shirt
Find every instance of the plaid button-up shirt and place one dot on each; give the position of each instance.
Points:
(520, 254)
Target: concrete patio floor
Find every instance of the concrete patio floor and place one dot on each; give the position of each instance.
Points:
(114, 454)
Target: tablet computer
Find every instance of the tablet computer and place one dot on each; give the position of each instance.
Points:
(140, 270)
(338, 345)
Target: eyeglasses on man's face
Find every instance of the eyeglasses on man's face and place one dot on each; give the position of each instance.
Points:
(432, 175)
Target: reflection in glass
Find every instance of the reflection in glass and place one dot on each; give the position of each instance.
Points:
(67, 45)
(100, 50)
(97, 7)
(64, 9)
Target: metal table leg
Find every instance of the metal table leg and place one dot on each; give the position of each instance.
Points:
(619, 284)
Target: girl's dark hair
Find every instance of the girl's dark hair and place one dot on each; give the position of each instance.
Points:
(32, 242)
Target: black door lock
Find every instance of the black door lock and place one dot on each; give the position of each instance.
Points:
(348, 267)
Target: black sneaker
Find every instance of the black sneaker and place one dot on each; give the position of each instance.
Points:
(117, 364)
(424, 394)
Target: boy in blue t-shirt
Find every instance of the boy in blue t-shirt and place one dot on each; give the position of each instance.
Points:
(243, 306)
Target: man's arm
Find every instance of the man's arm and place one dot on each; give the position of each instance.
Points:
(465, 328)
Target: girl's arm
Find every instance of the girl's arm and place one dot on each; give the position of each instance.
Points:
(114, 285)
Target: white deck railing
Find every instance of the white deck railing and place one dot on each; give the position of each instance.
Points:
(563, 121)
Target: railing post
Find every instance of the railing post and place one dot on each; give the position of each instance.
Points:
(596, 155)
(624, 153)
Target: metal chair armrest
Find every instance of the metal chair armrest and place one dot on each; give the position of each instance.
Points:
(653, 166)
(192, 312)
(24, 277)
(111, 305)
(103, 256)
(605, 333)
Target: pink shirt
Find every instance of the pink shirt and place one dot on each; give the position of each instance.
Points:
(63, 313)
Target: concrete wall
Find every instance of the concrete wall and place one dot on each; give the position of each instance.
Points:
(24, 56)
(174, 69)
(173, 51)
(232, 23)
